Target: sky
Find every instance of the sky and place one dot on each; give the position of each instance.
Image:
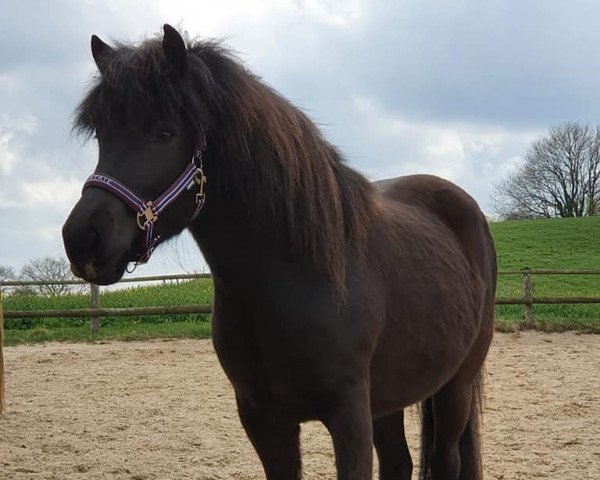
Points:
(455, 88)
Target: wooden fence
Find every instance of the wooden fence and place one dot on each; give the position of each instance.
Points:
(95, 312)
(528, 300)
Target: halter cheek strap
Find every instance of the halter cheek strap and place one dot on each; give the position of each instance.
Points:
(149, 211)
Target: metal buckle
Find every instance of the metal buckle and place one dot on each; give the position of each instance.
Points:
(200, 179)
(148, 214)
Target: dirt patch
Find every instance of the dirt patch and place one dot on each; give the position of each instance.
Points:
(164, 410)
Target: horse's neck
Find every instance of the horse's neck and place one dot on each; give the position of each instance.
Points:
(233, 248)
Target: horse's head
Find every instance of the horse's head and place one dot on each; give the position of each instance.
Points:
(148, 122)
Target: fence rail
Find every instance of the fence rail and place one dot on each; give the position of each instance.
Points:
(548, 271)
(95, 312)
(108, 312)
(153, 278)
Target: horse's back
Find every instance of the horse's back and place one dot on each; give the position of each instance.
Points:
(455, 208)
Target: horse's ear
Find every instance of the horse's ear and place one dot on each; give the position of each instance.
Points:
(175, 49)
(101, 53)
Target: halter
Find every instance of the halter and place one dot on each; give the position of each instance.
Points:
(149, 211)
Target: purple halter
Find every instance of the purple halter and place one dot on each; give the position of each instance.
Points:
(149, 211)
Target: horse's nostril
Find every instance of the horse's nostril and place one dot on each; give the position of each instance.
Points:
(83, 243)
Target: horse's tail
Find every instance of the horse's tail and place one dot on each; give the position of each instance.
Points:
(469, 445)
(470, 442)
(426, 439)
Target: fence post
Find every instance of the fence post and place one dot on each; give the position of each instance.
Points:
(527, 299)
(1, 355)
(95, 319)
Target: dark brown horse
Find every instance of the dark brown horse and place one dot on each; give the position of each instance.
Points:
(335, 299)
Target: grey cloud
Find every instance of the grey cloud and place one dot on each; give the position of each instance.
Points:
(527, 63)
(512, 67)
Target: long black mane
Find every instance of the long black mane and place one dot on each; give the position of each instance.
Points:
(273, 157)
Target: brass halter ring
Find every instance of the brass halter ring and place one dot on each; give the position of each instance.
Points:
(148, 214)
(200, 179)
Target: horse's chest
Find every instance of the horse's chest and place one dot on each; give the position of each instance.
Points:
(237, 353)
(282, 370)
(258, 373)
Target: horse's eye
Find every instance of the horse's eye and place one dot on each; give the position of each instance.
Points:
(164, 136)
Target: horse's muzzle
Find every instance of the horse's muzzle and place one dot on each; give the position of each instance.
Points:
(99, 238)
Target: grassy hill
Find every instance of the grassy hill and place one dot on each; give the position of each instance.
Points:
(566, 243)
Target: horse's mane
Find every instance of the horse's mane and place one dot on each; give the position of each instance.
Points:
(274, 159)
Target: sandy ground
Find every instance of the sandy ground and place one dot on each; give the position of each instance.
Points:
(164, 410)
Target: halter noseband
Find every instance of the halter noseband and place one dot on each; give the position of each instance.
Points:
(149, 211)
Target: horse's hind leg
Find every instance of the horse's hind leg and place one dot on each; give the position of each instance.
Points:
(451, 414)
(392, 450)
(456, 408)
(275, 439)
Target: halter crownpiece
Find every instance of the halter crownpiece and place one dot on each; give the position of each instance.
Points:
(148, 212)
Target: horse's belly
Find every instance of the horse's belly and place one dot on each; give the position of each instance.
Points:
(414, 359)
(405, 383)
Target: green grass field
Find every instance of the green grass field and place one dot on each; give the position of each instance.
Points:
(567, 243)
(28, 330)
(572, 243)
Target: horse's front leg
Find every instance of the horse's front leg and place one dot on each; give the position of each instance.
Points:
(350, 424)
(275, 439)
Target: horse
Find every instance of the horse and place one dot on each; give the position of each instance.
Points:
(336, 299)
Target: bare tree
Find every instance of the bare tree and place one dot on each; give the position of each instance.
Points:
(48, 269)
(559, 178)
(6, 273)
